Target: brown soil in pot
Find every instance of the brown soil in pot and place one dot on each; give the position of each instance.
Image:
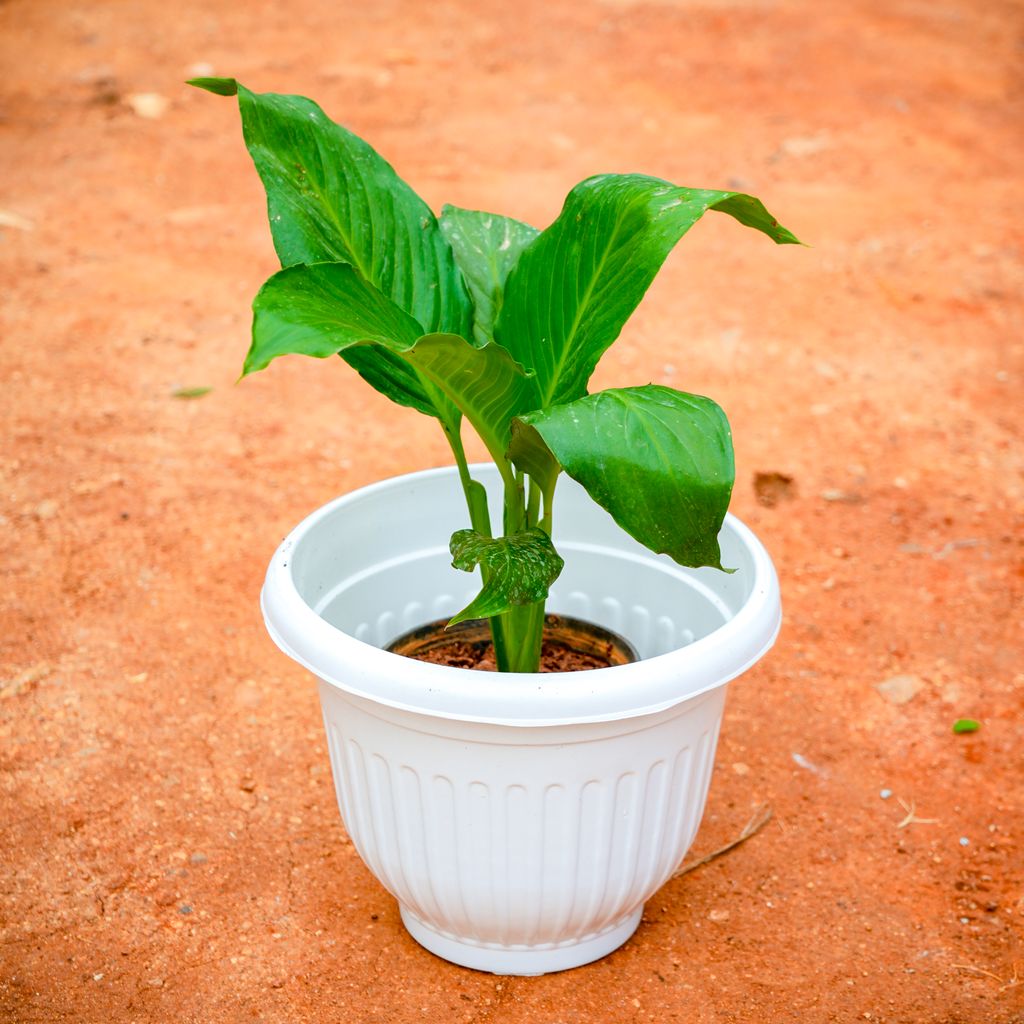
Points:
(568, 645)
(170, 844)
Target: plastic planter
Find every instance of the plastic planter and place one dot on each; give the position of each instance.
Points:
(520, 821)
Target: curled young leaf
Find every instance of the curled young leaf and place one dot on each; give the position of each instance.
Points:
(519, 569)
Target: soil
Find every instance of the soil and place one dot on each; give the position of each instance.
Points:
(172, 849)
(567, 645)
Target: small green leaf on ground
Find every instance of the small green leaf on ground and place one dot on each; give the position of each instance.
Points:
(966, 725)
(190, 392)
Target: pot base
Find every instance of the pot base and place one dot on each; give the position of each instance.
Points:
(519, 961)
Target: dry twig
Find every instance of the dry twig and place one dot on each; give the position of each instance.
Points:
(912, 818)
(761, 818)
(1004, 984)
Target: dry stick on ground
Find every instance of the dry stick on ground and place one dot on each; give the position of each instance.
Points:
(912, 818)
(761, 818)
(1005, 984)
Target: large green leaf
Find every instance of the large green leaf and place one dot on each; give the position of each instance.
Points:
(519, 569)
(486, 384)
(577, 283)
(330, 308)
(321, 310)
(331, 197)
(658, 460)
(486, 247)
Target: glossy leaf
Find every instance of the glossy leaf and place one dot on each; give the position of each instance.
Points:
(486, 247)
(218, 86)
(329, 308)
(658, 460)
(577, 283)
(322, 310)
(485, 384)
(331, 197)
(519, 569)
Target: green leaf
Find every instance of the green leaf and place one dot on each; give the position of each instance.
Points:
(962, 725)
(519, 569)
(486, 384)
(331, 197)
(327, 309)
(218, 86)
(322, 310)
(658, 460)
(532, 456)
(392, 376)
(486, 247)
(190, 392)
(577, 283)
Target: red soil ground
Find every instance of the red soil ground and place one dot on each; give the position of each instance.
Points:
(171, 846)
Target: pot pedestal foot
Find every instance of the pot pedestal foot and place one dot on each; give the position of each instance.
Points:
(526, 962)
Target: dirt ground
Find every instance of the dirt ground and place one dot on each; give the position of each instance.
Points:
(171, 846)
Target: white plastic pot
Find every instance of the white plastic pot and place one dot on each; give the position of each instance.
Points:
(521, 821)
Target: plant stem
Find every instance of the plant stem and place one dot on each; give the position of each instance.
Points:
(518, 633)
(522, 626)
(533, 504)
(480, 520)
(476, 496)
(524, 629)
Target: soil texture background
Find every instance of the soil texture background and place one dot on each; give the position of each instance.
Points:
(171, 845)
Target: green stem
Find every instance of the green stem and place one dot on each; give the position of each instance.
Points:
(517, 635)
(522, 626)
(524, 629)
(533, 504)
(476, 496)
(480, 520)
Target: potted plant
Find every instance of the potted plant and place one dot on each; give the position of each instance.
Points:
(520, 819)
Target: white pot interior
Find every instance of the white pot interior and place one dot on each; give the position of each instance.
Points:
(374, 564)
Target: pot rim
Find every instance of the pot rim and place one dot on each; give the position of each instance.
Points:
(515, 699)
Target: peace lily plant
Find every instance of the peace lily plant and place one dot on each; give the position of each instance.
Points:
(478, 317)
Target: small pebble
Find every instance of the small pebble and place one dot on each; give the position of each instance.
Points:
(900, 689)
(149, 105)
(885, 793)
